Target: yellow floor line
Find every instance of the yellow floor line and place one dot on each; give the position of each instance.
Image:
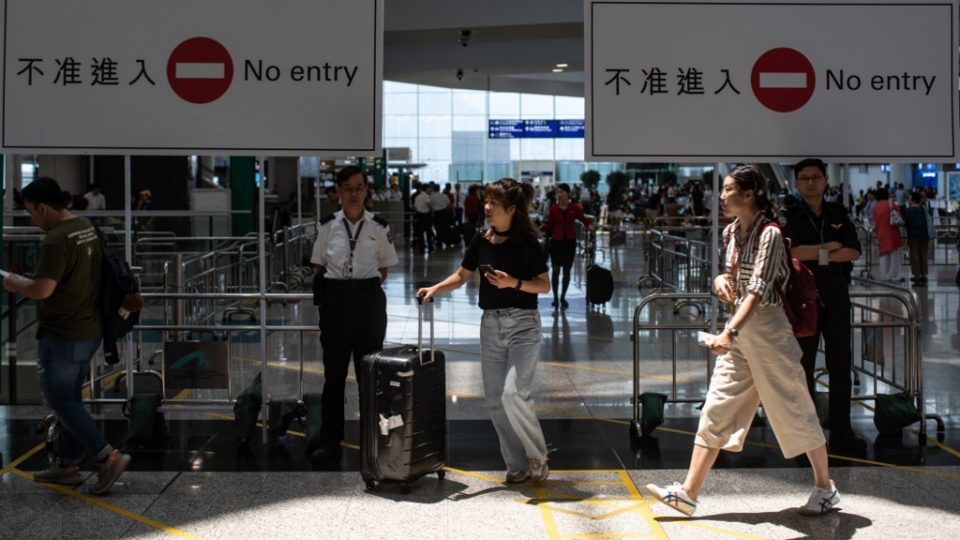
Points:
(26, 455)
(644, 509)
(99, 502)
(549, 523)
(609, 535)
(615, 372)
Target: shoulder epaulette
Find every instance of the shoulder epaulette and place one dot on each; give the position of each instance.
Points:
(380, 221)
(328, 219)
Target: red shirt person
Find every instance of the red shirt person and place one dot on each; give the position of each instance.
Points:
(560, 229)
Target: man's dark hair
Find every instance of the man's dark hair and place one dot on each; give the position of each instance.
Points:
(916, 197)
(94, 186)
(349, 172)
(44, 190)
(564, 187)
(809, 162)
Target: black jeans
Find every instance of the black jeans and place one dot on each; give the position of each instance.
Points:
(833, 321)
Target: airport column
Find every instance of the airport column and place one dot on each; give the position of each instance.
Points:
(242, 185)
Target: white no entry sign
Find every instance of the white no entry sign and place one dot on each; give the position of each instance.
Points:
(176, 77)
(700, 81)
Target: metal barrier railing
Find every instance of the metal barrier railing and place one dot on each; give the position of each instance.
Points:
(866, 318)
(680, 263)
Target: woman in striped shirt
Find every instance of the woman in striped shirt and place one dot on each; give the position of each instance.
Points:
(758, 355)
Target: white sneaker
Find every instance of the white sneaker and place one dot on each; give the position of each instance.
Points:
(675, 497)
(539, 471)
(821, 501)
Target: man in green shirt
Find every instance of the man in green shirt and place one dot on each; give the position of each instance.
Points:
(66, 287)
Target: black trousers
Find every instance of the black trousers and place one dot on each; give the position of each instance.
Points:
(833, 321)
(423, 230)
(352, 322)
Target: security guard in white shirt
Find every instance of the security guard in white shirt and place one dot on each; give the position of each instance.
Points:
(353, 251)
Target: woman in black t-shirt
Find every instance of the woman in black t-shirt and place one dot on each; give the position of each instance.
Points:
(514, 270)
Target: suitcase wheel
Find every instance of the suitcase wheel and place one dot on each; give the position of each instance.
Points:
(371, 484)
(441, 474)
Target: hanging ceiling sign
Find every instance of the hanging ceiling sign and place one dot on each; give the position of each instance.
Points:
(749, 80)
(183, 77)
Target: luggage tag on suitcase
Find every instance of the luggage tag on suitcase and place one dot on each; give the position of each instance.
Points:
(386, 424)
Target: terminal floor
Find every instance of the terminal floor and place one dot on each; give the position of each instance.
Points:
(199, 484)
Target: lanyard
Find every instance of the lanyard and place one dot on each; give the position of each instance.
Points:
(353, 237)
(820, 228)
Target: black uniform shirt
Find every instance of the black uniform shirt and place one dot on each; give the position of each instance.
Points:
(804, 228)
(520, 256)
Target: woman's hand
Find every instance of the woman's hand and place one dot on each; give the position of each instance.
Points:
(724, 288)
(721, 345)
(427, 293)
(501, 279)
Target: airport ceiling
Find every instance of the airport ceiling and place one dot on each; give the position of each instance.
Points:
(500, 45)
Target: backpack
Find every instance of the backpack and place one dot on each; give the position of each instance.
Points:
(799, 295)
(120, 300)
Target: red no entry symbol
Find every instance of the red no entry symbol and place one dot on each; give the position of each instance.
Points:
(200, 70)
(783, 79)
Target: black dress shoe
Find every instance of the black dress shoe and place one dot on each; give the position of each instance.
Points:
(327, 452)
(845, 443)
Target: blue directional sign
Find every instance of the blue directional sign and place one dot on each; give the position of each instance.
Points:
(535, 129)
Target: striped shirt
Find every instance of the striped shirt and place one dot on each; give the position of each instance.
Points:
(763, 266)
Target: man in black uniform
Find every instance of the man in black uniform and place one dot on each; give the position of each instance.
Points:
(353, 250)
(824, 238)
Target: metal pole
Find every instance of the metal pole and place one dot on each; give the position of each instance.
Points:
(262, 259)
(128, 254)
(715, 244)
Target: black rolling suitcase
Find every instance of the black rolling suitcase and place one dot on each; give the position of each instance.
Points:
(599, 285)
(403, 418)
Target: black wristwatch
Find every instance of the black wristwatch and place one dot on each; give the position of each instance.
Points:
(733, 331)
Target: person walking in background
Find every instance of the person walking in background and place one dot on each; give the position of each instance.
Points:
(514, 272)
(918, 238)
(887, 221)
(561, 231)
(758, 356)
(67, 288)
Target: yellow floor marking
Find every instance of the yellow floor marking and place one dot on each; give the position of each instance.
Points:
(615, 371)
(644, 509)
(471, 474)
(26, 455)
(597, 517)
(549, 523)
(727, 532)
(99, 502)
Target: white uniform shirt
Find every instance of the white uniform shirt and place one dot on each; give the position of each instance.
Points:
(439, 201)
(374, 248)
(95, 201)
(421, 203)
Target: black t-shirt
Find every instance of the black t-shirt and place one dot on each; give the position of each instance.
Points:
(520, 256)
(804, 228)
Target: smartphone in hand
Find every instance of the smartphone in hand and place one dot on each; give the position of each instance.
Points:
(705, 339)
(486, 269)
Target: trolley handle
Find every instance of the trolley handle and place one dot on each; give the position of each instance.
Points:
(420, 331)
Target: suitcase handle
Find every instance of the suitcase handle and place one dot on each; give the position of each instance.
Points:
(420, 331)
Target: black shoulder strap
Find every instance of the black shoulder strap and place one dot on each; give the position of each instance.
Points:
(327, 219)
(380, 221)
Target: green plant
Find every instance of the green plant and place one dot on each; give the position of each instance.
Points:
(618, 182)
(590, 179)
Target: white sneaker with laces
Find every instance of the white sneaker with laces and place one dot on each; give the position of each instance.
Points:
(675, 497)
(821, 501)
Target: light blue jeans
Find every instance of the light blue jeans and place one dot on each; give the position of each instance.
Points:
(509, 353)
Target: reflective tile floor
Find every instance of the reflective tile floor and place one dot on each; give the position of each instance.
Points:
(199, 483)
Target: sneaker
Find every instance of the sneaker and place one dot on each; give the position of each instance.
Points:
(675, 497)
(564, 304)
(517, 477)
(539, 471)
(110, 471)
(821, 501)
(67, 476)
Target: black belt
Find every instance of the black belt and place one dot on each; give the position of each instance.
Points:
(351, 284)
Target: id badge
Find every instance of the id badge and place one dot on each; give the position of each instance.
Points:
(824, 257)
